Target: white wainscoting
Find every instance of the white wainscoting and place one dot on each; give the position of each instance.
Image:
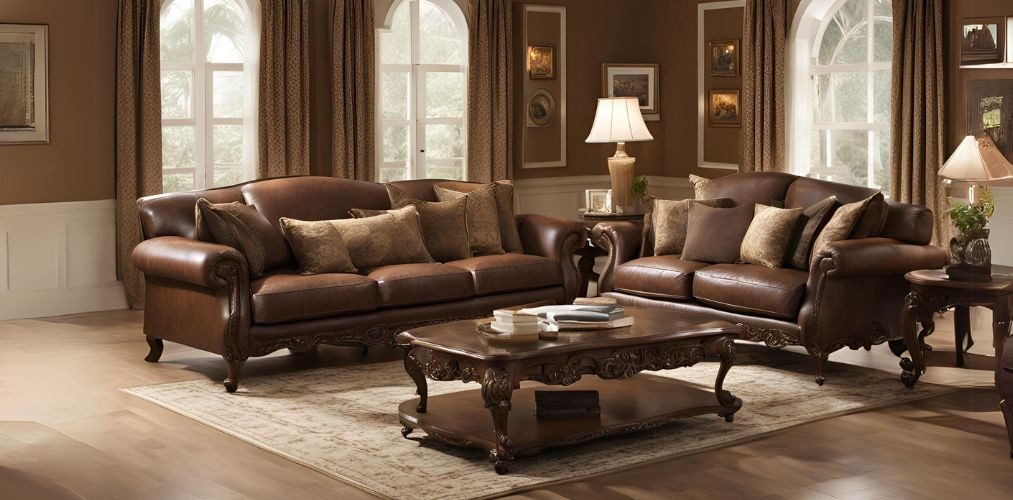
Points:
(58, 258)
(562, 196)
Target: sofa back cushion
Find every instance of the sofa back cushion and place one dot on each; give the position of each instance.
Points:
(172, 214)
(908, 223)
(313, 198)
(747, 188)
(806, 191)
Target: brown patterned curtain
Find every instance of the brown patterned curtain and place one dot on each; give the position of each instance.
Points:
(138, 130)
(764, 42)
(490, 91)
(284, 137)
(353, 94)
(917, 145)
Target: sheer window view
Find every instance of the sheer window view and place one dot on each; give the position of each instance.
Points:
(207, 109)
(421, 95)
(850, 85)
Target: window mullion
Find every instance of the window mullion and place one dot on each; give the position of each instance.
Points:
(200, 79)
(416, 170)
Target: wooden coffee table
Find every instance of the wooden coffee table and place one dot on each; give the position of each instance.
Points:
(659, 340)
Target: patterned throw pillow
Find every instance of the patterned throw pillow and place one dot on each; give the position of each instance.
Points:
(702, 189)
(873, 219)
(816, 217)
(769, 235)
(318, 246)
(509, 236)
(243, 228)
(839, 227)
(668, 222)
(715, 235)
(483, 218)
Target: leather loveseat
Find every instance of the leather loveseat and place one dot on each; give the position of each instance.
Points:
(201, 295)
(850, 297)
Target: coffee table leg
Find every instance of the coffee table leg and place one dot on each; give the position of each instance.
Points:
(962, 331)
(497, 389)
(915, 366)
(414, 369)
(725, 349)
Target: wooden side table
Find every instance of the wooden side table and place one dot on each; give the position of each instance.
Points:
(589, 251)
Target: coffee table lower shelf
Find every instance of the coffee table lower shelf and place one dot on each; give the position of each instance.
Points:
(631, 405)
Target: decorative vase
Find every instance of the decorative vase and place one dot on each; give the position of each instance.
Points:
(972, 257)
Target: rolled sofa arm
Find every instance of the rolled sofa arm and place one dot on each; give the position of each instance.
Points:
(186, 260)
(549, 236)
(879, 257)
(622, 240)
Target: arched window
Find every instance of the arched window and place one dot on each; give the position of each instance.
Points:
(209, 52)
(421, 95)
(840, 87)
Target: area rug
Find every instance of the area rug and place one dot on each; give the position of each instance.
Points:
(343, 422)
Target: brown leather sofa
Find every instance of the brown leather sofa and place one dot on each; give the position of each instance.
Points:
(201, 295)
(851, 296)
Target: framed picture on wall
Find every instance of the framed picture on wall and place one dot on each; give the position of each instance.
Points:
(24, 84)
(541, 109)
(982, 40)
(723, 108)
(724, 57)
(541, 62)
(634, 80)
(989, 111)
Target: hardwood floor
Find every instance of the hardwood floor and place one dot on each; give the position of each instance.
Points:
(66, 431)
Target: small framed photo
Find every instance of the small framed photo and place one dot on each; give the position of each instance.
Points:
(724, 57)
(598, 201)
(982, 40)
(723, 108)
(634, 80)
(24, 84)
(541, 62)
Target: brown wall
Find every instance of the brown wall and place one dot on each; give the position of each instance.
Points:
(78, 163)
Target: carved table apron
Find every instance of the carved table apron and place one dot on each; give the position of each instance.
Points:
(501, 377)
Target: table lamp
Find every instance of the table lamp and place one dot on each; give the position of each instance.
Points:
(976, 161)
(618, 120)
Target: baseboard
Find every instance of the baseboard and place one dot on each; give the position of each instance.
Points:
(58, 258)
(564, 196)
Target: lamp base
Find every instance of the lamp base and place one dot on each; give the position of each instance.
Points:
(621, 173)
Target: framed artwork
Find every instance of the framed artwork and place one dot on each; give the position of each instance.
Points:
(989, 111)
(24, 83)
(724, 57)
(598, 200)
(723, 108)
(541, 109)
(982, 40)
(541, 62)
(634, 80)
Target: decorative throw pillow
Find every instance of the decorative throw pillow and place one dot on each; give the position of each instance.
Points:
(873, 218)
(510, 237)
(483, 218)
(840, 226)
(243, 228)
(816, 217)
(769, 235)
(715, 235)
(444, 223)
(669, 217)
(702, 187)
(318, 246)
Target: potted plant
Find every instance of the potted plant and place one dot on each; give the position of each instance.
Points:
(972, 257)
(639, 193)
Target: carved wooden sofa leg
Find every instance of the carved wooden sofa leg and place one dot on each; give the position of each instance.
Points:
(155, 347)
(232, 380)
(820, 360)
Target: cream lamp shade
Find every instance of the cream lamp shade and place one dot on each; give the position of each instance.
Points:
(977, 161)
(618, 119)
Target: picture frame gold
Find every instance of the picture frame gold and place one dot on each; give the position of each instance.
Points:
(723, 108)
(541, 62)
(24, 113)
(634, 80)
(725, 58)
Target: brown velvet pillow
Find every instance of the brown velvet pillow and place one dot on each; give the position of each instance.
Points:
(769, 235)
(715, 235)
(840, 226)
(668, 222)
(873, 218)
(318, 246)
(241, 227)
(815, 219)
(483, 218)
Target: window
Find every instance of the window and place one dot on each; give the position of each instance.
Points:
(843, 105)
(208, 81)
(422, 85)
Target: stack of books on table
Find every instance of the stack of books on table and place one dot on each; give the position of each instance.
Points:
(579, 317)
(514, 322)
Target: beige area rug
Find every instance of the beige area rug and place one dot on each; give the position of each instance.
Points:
(343, 422)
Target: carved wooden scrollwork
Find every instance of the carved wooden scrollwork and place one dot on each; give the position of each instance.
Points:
(497, 388)
(770, 336)
(446, 369)
(229, 271)
(626, 363)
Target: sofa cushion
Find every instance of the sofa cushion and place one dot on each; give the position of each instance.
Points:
(510, 272)
(318, 246)
(444, 224)
(662, 276)
(715, 234)
(769, 235)
(412, 284)
(751, 289)
(510, 237)
(287, 296)
(483, 218)
(669, 220)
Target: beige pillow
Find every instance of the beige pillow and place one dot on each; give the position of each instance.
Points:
(702, 189)
(873, 218)
(238, 226)
(483, 218)
(769, 235)
(839, 227)
(444, 224)
(668, 222)
(318, 246)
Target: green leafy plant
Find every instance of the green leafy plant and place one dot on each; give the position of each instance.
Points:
(639, 189)
(971, 219)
